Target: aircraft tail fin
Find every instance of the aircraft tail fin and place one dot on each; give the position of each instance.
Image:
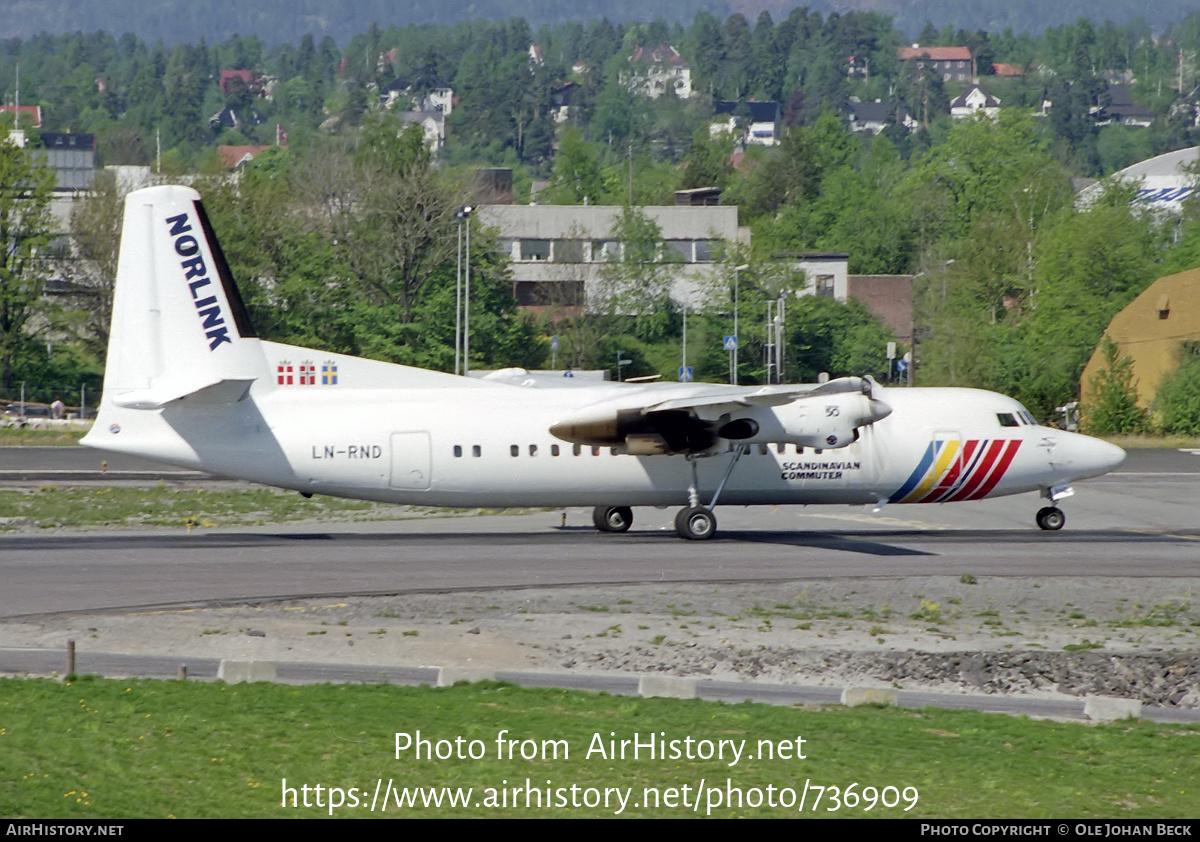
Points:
(179, 325)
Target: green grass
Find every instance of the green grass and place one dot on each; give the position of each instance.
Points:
(52, 506)
(13, 436)
(129, 749)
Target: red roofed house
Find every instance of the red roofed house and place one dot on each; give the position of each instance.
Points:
(955, 64)
(247, 76)
(1000, 69)
(31, 113)
(233, 157)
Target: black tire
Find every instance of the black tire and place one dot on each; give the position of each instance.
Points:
(1051, 519)
(696, 523)
(612, 518)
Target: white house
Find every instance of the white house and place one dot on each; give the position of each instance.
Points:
(654, 72)
(760, 128)
(974, 100)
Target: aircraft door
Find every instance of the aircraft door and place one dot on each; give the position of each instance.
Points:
(412, 458)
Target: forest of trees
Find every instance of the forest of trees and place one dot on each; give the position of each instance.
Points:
(276, 21)
(1015, 282)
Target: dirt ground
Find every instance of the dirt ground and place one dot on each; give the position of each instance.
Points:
(1125, 636)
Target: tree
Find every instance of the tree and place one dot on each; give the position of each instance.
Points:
(639, 284)
(707, 162)
(402, 226)
(1115, 408)
(576, 171)
(834, 337)
(355, 251)
(991, 167)
(96, 231)
(26, 230)
(1087, 267)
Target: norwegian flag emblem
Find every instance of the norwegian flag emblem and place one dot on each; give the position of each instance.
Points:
(283, 373)
(308, 374)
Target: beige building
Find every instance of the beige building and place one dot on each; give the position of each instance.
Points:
(558, 251)
(558, 254)
(1149, 331)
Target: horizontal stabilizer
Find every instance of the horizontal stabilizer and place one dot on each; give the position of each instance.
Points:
(221, 392)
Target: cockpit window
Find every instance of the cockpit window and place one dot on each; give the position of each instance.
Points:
(1007, 419)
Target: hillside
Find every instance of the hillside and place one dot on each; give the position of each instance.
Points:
(277, 21)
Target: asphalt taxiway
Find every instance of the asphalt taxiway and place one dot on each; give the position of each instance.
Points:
(1137, 521)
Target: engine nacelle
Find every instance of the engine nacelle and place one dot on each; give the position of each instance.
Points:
(824, 422)
(818, 421)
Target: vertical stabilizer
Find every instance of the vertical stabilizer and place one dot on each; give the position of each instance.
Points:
(179, 324)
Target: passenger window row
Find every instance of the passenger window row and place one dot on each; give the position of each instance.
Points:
(578, 450)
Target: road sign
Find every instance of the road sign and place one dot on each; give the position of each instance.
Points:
(730, 343)
(553, 343)
(685, 374)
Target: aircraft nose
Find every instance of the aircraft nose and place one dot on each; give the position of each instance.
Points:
(1109, 456)
(1088, 457)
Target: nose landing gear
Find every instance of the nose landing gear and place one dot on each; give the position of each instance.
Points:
(1051, 518)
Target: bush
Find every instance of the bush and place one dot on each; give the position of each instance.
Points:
(1114, 408)
(1178, 401)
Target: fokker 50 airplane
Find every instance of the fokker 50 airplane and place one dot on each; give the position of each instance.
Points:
(189, 383)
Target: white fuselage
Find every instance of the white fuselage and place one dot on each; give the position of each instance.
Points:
(434, 439)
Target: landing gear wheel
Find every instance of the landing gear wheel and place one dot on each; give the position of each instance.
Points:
(612, 518)
(696, 523)
(1051, 518)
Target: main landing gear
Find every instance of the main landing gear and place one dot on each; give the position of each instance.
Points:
(1051, 518)
(612, 518)
(693, 522)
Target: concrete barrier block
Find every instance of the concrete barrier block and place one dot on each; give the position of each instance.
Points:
(453, 675)
(237, 672)
(666, 687)
(855, 696)
(1110, 708)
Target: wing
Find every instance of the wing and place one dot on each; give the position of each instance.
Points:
(666, 419)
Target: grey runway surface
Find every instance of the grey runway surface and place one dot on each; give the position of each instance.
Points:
(1139, 521)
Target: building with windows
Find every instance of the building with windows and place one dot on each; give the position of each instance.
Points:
(658, 71)
(974, 100)
(1163, 182)
(750, 123)
(953, 64)
(558, 251)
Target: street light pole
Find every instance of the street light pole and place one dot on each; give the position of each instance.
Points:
(737, 277)
(462, 295)
(458, 304)
(467, 302)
